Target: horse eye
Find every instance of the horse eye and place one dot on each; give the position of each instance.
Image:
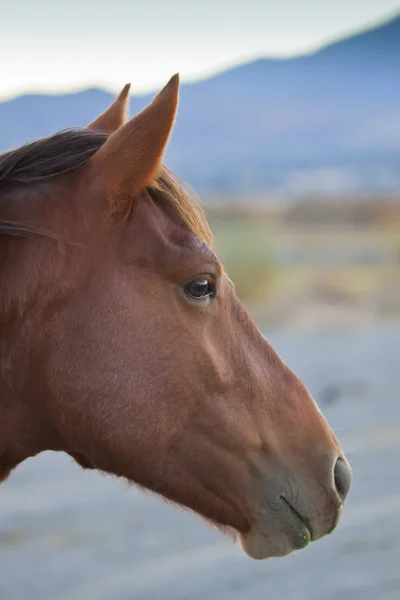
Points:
(200, 288)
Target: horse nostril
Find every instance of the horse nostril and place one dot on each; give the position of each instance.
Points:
(343, 477)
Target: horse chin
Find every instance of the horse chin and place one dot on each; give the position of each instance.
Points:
(259, 544)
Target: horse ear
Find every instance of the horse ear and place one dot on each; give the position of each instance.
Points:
(131, 157)
(112, 118)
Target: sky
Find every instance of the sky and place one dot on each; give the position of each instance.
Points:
(56, 46)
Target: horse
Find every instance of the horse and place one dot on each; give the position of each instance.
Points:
(124, 344)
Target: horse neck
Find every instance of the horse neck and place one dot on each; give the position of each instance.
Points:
(24, 431)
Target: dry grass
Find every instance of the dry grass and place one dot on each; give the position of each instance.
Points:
(271, 260)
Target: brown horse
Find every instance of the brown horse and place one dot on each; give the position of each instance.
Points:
(124, 345)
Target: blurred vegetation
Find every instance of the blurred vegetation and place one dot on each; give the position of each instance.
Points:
(325, 263)
(248, 258)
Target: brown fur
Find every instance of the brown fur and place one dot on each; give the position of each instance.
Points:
(105, 356)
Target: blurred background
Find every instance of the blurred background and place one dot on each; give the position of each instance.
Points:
(289, 132)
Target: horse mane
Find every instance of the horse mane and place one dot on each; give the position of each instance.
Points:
(69, 150)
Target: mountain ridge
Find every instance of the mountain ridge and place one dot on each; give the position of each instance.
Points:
(327, 120)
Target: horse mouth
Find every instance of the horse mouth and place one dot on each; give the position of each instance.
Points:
(291, 532)
(303, 522)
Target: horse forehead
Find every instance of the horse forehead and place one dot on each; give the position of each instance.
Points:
(191, 243)
(180, 248)
(163, 237)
